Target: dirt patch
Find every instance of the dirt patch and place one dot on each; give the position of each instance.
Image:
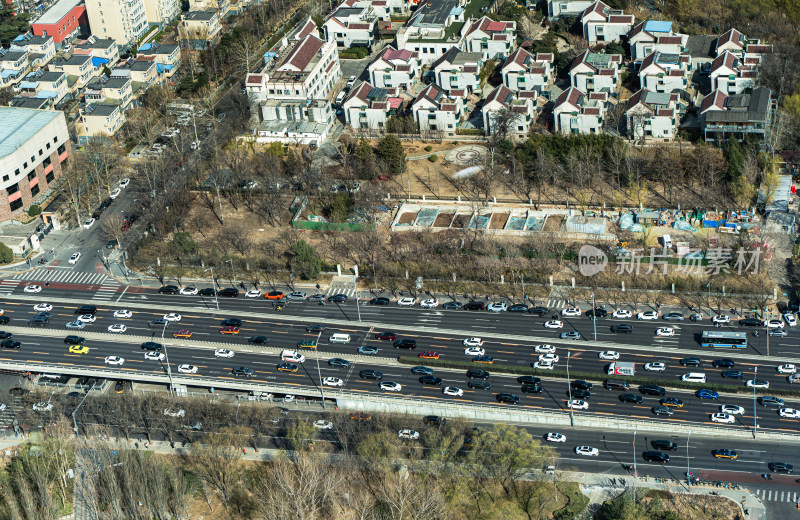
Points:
(418, 148)
(697, 507)
(461, 220)
(498, 221)
(554, 223)
(443, 220)
(407, 218)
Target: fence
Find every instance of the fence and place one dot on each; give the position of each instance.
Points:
(330, 226)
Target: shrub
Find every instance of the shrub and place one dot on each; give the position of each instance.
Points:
(6, 254)
(34, 210)
(469, 131)
(428, 148)
(433, 158)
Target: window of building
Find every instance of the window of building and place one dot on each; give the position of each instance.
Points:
(46, 162)
(15, 205)
(25, 166)
(12, 189)
(16, 172)
(35, 190)
(49, 178)
(33, 158)
(48, 146)
(61, 149)
(31, 176)
(5, 178)
(40, 152)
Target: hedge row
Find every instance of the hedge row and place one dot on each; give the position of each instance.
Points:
(593, 376)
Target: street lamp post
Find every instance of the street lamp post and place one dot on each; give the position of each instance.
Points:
(233, 271)
(569, 394)
(755, 410)
(688, 473)
(710, 310)
(214, 283)
(594, 317)
(522, 278)
(635, 471)
(766, 331)
(166, 358)
(319, 372)
(355, 286)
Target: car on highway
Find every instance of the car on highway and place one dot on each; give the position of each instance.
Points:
(78, 349)
(474, 351)
(43, 307)
(723, 418)
(790, 319)
(172, 316)
(497, 307)
(258, 340)
(474, 306)
(665, 332)
(597, 312)
(160, 322)
(332, 381)
(114, 360)
(337, 298)
(779, 332)
(555, 437)
(532, 388)
(75, 325)
(622, 328)
(673, 316)
(577, 404)
(538, 311)
(183, 333)
(580, 384)
(721, 318)
(297, 295)
(789, 413)
(705, 393)
(74, 258)
(252, 293)
(770, 401)
(367, 350)
(316, 298)
(123, 313)
(631, 398)
(573, 335)
(208, 291)
(154, 356)
(10, 343)
(430, 380)
(452, 305)
(430, 303)
(731, 409)
(408, 434)
(242, 372)
(429, 354)
(420, 370)
(506, 397)
(794, 378)
(338, 363)
(723, 453)
(223, 353)
(229, 330)
(578, 393)
(187, 369)
(732, 374)
(587, 451)
(315, 327)
(750, 322)
(274, 295)
(33, 288)
(652, 390)
(690, 362)
(655, 456)
(787, 369)
(662, 410)
(622, 313)
(518, 307)
(543, 365)
(483, 359)
(544, 349)
(71, 339)
(407, 301)
(152, 345)
(88, 223)
(479, 384)
(6, 335)
(663, 444)
(169, 289)
(656, 366)
(472, 342)
(723, 363)
(322, 424)
(287, 367)
(117, 328)
(477, 373)
(773, 324)
(409, 344)
(452, 391)
(390, 336)
(780, 467)
(571, 311)
(757, 383)
(647, 315)
(552, 358)
(189, 291)
(671, 401)
(554, 324)
(608, 354)
(87, 318)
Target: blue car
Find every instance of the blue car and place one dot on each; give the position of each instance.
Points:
(76, 325)
(368, 351)
(707, 394)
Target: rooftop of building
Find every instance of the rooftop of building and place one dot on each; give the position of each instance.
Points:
(57, 12)
(200, 16)
(20, 125)
(101, 110)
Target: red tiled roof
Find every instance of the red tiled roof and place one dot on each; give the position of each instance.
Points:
(758, 48)
(545, 56)
(714, 100)
(519, 109)
(403, 68)
(731, 35)
(602, 96)
(525, 94)
(635, 98)
(496, 26)
(665, 112)
(572, 96)
(380, 105)
(620, 18)
(254, 79)
(458, 93)
(392, 54)
(669, 40)
(748, 74)
(726, 59)
(395, 102)
(379, 3)
(303, 52)
(470, 68)
(591, 111)
(605, 72)
(358, 26)
(676, 73)
(306, 30)
(448, 107)
(537, 70)
(597, 7)
(500, 37)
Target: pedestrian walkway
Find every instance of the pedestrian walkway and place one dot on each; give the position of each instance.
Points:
(777, 496)
(66, 276)
(106, 291)
(556, 304)
(350, 292)
(8, 286)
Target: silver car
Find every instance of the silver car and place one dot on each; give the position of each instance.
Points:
(296, 295)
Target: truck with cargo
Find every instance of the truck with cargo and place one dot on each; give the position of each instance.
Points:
(620, 368)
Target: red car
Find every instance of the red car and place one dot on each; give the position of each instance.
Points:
(182, 334)
(229, 330)
(274, 295)
(391, 336)
(429, 354)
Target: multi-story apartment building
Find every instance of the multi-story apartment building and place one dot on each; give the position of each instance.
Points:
(558, 8)
(14, 65)
(577, 113)
(603, 24)
(33, 145)
(525, 72)
(161, 12)
(121, 20)
(99, 121)
(112, 91)
(78, 65)
(652, 114)
(166, 56)
(662, 72)
(367, 107)
(433, 29)
(738, 116)
(595, 72)
(199, 28)
(504, 111)
(63, 21)
(352, 27)
(394, 68)
(41, 49)
(459, 73)
(105, 51)
(46, 85)
(654, 36)
(494, 40)
(434, 110)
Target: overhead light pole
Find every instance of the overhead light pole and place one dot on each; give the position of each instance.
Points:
(319, 372)
(594, 317)
(214, 283)
(755, 410)
(688, 473)
(355, 286)
(166, 358)
(635, 471)
(569, 394)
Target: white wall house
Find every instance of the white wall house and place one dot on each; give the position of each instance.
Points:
(492, 39)
(41, 84)
(652, 114)
(434, 111)
(526, 72)
(459, 73)
(595, 72)
(603, 24)
(352, 27)
(578, 113)
(383, 9)
(654, 36)
(730, 75)
(665, 72)
(394, 68)
(558, 8)
(499, 104)
(433, 29)
(367, 107)
(41, 48)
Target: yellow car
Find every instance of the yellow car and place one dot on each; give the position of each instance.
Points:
(287, 367)
(78, 349)
(306, 343)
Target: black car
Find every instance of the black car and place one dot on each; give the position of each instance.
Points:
(409, 344)
(379, 301)
(518, 307)
(533, 380)
(577, 393)
(371, 374)
(780, 467)
(242, 372)
(6, 335)
(750, 322)
(597, 313)
(338, 298)
(451, 305)
(673, 316)
(160, 322)
(229, 292)
(532, 388)
(4, 320)
(723, 363)
(783, 308)
(538, 311)
(477, 373)
(169, 289)
(474, 306)
(652, 390)
(580, 384)
(39, 321)
(73, 340)
(655, 456)
(691, 362)
(430, 380)
(339, 363)
(506, 397)
(662, 410)
(152, 346)
(258, 340)
(232, 322)
(75, 395)
(434, 420)
(315, 327)
(622, 328)
(208, 291)
(10, 343)
(631, 398)
(480, 384)
(86, 309)
(662, 445)
(732, 374)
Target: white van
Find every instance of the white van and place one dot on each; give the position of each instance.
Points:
(339, 98)
(339, 338)
(694, 377)
(292, 355)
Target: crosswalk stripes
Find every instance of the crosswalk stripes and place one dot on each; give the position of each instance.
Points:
(65, 276)
(777, 496)
(556, 304)
(350, 291)
(106, 292)
(7, 287)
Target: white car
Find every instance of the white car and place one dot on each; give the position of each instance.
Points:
(571, 311)
(350, 81)
(44, 406)
(554, 324)
(732, 409)
(555, 437)
(405, 433)
(452, 391)
(189, 291)
(647, 315)
(474, 351)
(544, 349)
(757, 383)
(252, 293)
(33, 288)
(608, 354)
(552, 358)
(787, 369)
(154, 356)
(723, 418)
(773, 324)
(114, 193)
(187, 369)
(390, 386)
(621, 313)
(722, 318)
(175, 413)
(43, 307)
(332, 381)
(577, 404)
(657, 366)
(74, 258)
(117, 328)
(223, 353)
(544, 365)
(497, 307)
(790, 319)
(430, 303)
(114, 360)
(3, 406)
(172, 316)
(123, 313)
(123, 183)
(75, 325)
(322, 424)
(87, 318)
(89, 223)
(789, 413)
(587, 451)
(407, 301)
(666, 332)
(472, 342)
